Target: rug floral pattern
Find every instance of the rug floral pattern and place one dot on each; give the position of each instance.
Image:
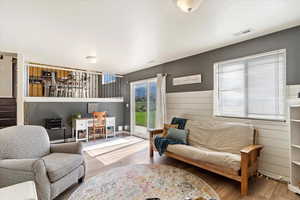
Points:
(139, 182)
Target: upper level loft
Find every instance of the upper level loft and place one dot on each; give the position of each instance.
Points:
(46, 83)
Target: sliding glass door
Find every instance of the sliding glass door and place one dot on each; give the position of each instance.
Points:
(143, 107)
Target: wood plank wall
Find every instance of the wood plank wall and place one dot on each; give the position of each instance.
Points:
(274, 161)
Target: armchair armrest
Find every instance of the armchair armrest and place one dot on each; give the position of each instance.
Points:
(251, 148)
(17, 164)
(13, 171)
(73, 147)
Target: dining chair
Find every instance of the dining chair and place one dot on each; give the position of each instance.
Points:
(99, 119)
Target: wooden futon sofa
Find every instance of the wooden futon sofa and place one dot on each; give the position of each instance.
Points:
(228, 149)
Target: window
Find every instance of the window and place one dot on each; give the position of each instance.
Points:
(251, 87)
(108, 78)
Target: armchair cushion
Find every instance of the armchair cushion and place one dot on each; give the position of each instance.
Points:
(73, 147)
(60, 164)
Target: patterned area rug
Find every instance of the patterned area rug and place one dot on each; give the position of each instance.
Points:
(139, 182)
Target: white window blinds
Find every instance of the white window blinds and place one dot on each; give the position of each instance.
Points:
(252, 87)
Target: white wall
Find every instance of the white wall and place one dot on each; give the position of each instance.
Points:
(274, 160)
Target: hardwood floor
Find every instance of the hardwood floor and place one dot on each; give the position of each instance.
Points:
(260, 187)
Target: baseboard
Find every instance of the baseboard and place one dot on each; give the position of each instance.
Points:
(274, 176)
(73, 139)
(294, 189)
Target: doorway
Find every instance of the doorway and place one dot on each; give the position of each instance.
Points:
(143, 107)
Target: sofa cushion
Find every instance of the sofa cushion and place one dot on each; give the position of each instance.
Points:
(181, 122)
(166, 128)
(60, 164)
(220, 136)
(222, 159)
(177, 134)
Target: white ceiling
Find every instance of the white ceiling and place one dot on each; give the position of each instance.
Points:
(126, 35)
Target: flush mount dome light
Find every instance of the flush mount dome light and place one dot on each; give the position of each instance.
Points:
(91, 59)
(188, 5)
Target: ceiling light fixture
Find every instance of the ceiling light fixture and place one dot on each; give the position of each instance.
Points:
(91, 59)
(188, 6)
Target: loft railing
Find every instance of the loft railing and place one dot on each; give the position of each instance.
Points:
(50, 81)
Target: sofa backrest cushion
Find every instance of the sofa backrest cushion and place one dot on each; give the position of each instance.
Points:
(220, 136)
(24, 142)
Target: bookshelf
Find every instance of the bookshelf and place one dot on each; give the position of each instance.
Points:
(294, 184)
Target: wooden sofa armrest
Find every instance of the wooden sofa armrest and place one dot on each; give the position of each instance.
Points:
(249, 157)
(151, 134)
(155, 132)
(249, 149)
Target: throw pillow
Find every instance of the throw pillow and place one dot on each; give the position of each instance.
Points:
(180, 121)
(177, 134)
(166, 127)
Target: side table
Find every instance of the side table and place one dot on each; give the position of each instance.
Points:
(20, 191)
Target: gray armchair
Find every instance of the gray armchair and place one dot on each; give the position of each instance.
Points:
(26, 154)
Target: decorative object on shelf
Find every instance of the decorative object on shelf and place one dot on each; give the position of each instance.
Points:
(73, 117)
(186, 80)
(188, 5)
(47, 74)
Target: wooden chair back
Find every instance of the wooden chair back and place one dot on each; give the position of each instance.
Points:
(99, 119)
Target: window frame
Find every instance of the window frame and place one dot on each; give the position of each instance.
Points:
(216, 111)
(110, 81)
